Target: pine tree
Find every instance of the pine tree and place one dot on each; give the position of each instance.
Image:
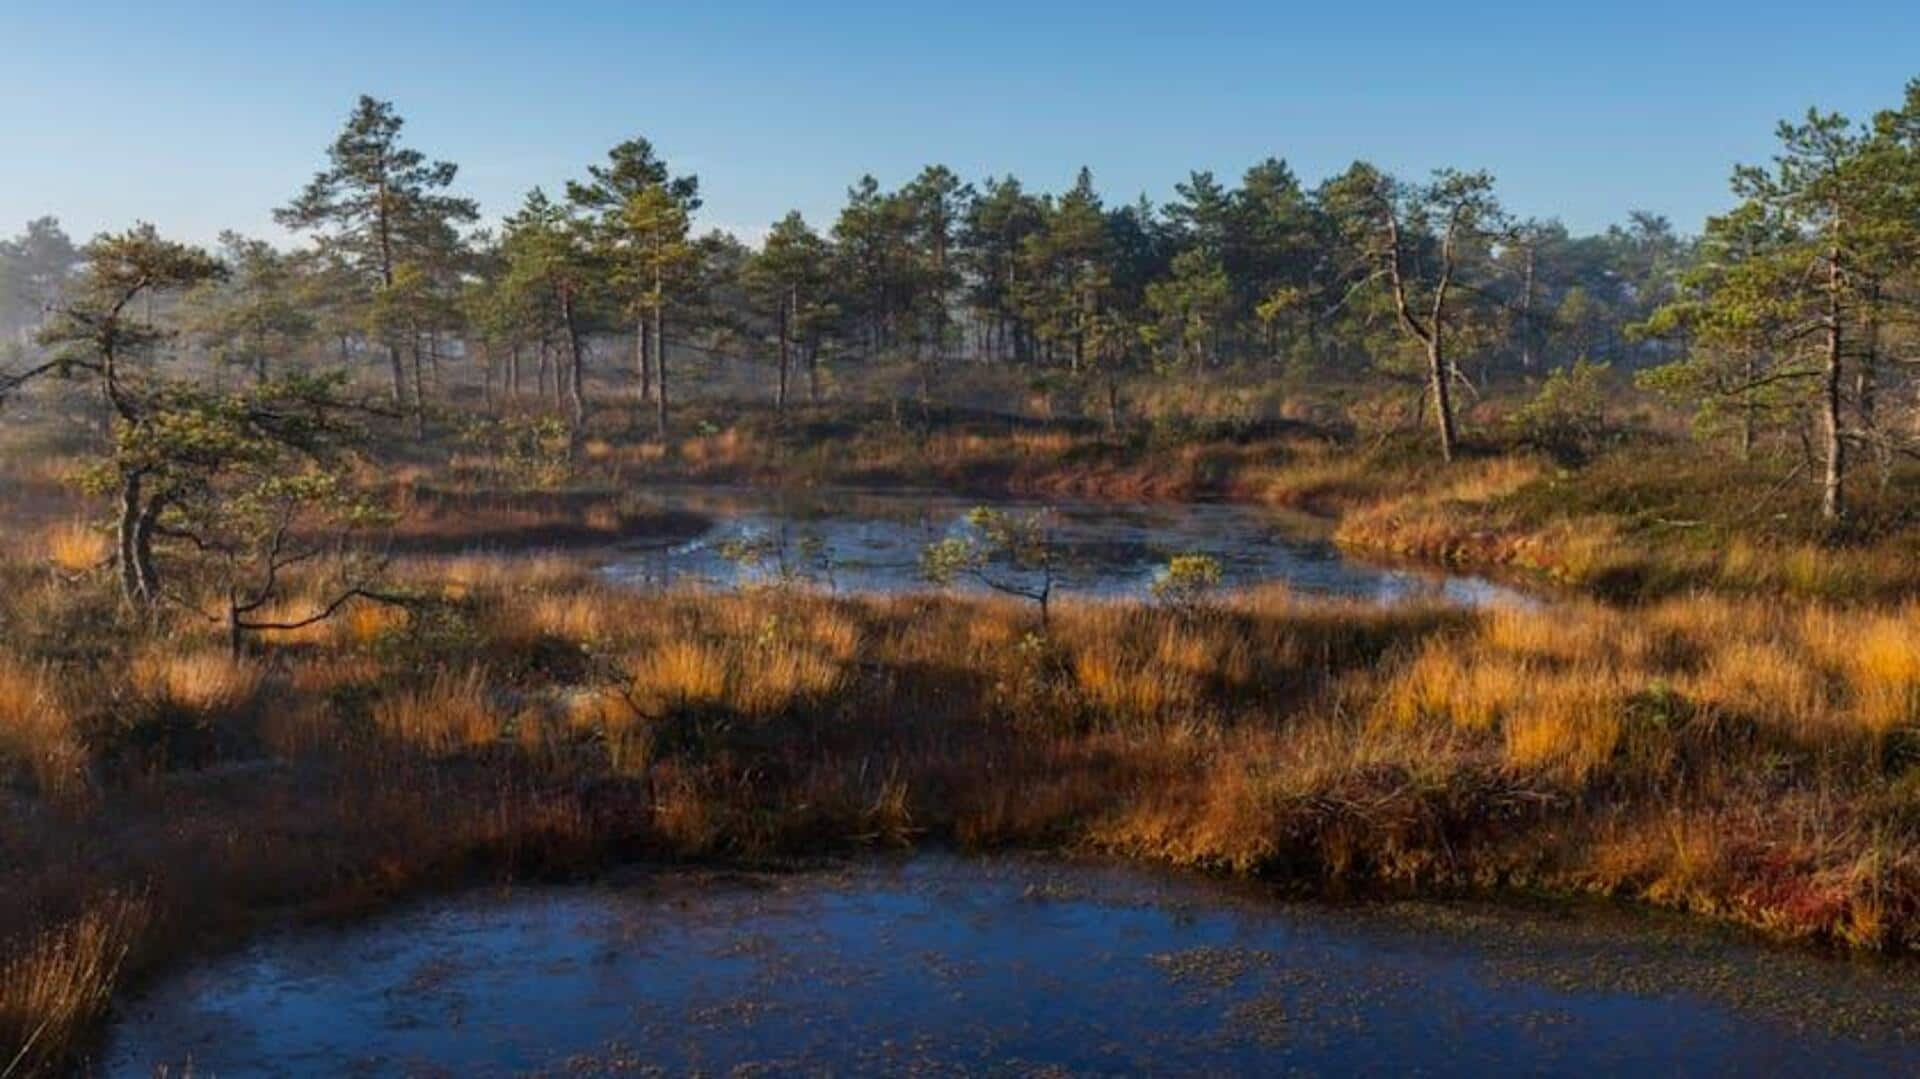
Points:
(1422, 243)
(379, 204)
(791, 275)
(95, 334)
(633, 169)
(549, 276)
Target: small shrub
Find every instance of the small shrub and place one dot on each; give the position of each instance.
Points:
(1568, 417)
(1188, 580)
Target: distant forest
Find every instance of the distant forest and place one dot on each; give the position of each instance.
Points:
(1789, 316)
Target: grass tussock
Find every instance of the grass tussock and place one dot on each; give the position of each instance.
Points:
(39, 740)
(75, 547)
(203, 682)
(62, 979)
(449, 713)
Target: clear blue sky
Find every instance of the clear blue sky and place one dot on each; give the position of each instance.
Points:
(206, 115)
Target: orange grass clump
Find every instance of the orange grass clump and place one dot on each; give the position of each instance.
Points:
(76, 547)
(59, 983)
(37, 731)
(207, 682)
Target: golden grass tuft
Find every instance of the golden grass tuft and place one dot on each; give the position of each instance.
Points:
(207, 682)
(1570, 722)
(60, 983)
(37, 733)
(1761, 679)
(76, 547)
(610, 713)
(726, 447)
(451, 713)
(681, 674)
(775, 676)
(1130, 688)
(571, 616)
(366, 623)
(1883, 667)
(834, 634)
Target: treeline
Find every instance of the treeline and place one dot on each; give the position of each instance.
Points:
(1791, 312)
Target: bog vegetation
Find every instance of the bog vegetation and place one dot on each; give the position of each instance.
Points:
(275, 638)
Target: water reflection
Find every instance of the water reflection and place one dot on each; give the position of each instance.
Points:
(870, 541)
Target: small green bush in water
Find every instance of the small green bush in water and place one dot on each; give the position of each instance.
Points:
(1188, 580)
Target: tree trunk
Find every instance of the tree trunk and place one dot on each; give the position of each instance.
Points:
(486, 375)
(640, 360)
(133, 580)
(419, 392)
(1442, 389)
(399, 376)
(660, 370)
(786, 346)
(1526, 315)
(1867, 379)
(1832, 496)
(143, 550)
(1747, 410)
(576, 367)
(1866, 391)
(236, 639)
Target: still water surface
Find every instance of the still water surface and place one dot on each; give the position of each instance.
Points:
(860, 540)
(940, 965)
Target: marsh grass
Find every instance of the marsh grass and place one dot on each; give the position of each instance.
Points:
(1752, 761)
(75, 547)
(1645, 523)
(1743, 743)
(62, 980)
(204, 682)
(39, 739)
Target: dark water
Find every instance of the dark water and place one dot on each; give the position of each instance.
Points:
(870, 541)
(946, 966)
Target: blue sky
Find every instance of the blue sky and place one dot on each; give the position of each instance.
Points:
(204, 116)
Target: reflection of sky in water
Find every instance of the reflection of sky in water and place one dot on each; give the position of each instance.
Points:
(870, 541)
(946, 966)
